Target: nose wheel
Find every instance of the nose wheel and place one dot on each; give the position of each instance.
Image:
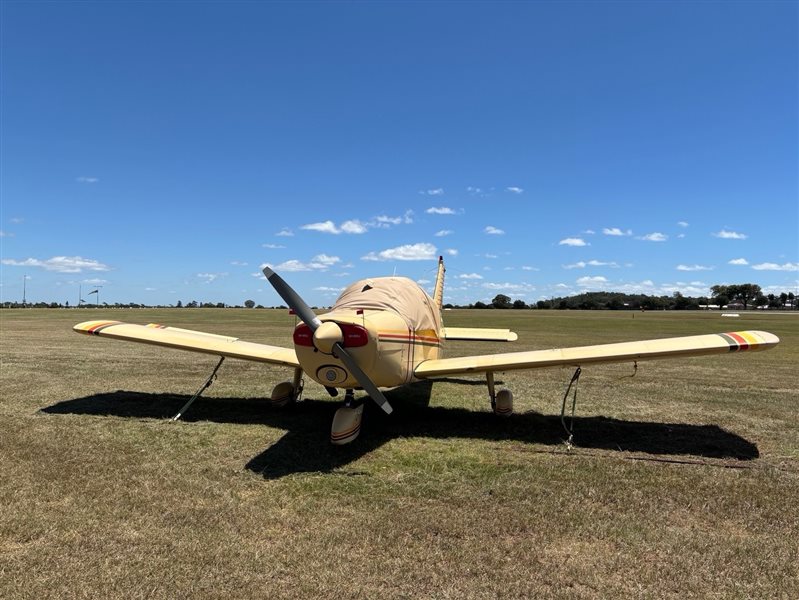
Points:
(347, 421)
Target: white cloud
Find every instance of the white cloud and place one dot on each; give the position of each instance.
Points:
(509, 287)
(526, 268)
(693, 268)
(423, 281)
(469, 276)
(238, 263)
(353, 226)
(775, 267)
(589, 232)
(210, 277)
(60, 264)
(420, 251)
(491, 230)
(17, 220)
(451, 252)
(273, 246)
(573, 242)
(616, 231)
(323, 227)
(730, 235)
(654, 237)
(443, 232)
(320, 262)
(738, 261)
(474, 190)
(514, 190)
(285, 232)
(591, 281)
(682, 223)
(433, 192)
(328, 289)
(93, 281)
(87, 179)
(591, 263)
(680, 236)
(5, 234)
(440, 210)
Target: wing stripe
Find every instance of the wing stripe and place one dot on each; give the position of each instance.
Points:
(730, 340)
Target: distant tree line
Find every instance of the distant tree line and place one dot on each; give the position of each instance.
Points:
(739, 296)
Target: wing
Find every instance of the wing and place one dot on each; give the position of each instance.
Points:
(185, 339)
(479, 334)
(695, 345)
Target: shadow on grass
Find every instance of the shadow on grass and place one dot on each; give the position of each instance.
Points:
(305, 446)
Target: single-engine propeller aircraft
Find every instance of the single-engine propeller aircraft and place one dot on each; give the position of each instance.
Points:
(387, 332)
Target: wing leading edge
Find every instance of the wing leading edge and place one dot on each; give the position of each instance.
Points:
(696, 345)
(186, 339)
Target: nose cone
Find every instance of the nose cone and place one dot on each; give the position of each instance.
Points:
(326, 336)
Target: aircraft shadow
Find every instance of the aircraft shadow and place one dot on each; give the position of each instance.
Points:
(305, 446)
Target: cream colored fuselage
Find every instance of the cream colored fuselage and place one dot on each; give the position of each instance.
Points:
(393, 348)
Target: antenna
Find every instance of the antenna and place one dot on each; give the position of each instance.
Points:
(24, 288)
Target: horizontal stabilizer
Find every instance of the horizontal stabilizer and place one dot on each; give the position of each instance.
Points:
(186, 339)
(478, 334)
(695, 345)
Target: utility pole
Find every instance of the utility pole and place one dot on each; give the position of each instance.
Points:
(24, 289)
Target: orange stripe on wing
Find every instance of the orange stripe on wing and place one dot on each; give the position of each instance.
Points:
(742, 343)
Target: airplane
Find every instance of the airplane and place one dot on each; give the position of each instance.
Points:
(387, 332)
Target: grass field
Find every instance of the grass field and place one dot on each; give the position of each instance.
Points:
(684, 481)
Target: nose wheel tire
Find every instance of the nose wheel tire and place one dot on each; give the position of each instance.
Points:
(503, 403)
(346, 424)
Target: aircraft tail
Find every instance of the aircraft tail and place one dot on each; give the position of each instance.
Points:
(438, 292)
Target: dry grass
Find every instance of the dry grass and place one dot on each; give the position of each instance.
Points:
(684, 482)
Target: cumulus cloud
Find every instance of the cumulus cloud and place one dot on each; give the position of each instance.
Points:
(451, 252)
(729, 235)
(440, 210)
(353, 226)
(60, 264)
(443, 232)
(573, 242)
(768, 266)
(654, 237)
(84, 179)
(210, 277)
(616, 231)
(285, 232)
(591, 281)
(420, 251)
(491, 230)
(433, 192)
(528, 268)
(514, 190)
(5, 234)
(273, 246)
(320, 262)
(469, 276)
(682, 223)
(238, 263)
(693, 268)
(738, 261)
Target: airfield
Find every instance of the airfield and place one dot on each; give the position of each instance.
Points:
(683, 482)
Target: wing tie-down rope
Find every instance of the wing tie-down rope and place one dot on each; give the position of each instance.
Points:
(205, 386)
(570, 429)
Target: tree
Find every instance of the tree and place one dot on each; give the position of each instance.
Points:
(519, 304)
(479, 304)
(249, 303)
(501, 301)
(746, 292)
(179, 304)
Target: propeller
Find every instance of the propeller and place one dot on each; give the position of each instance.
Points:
(328, 336)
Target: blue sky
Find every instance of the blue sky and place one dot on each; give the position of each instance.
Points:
(166, 151)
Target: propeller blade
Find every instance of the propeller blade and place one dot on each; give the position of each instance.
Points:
(292, 298)
(366, 383)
